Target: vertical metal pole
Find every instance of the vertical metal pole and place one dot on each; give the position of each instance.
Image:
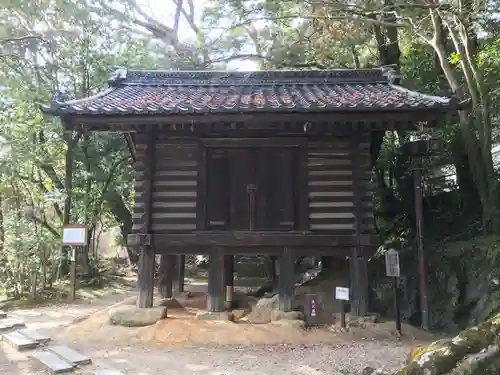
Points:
(72, 295)
(342, 314)
(395, 283)
(417, 182)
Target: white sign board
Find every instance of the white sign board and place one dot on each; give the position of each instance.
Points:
(342, 293)
(392, 263)
(74, 235)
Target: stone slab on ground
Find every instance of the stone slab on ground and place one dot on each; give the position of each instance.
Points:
(35, 335)
(131, 316)
(211, 315)
(70, 355)
(54, 363)
(9, 323)
(108, 372)
(2, 314)
(19, 341)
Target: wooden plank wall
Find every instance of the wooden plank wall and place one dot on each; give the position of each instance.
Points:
(330, 184)
(175, 184)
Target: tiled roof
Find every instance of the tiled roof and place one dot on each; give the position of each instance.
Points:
(185, 92)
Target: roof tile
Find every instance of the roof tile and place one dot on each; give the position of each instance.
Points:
(178, 92)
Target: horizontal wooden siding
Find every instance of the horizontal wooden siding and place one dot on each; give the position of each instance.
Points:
(330, 185)
(174, 187)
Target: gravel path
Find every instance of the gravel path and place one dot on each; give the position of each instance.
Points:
(275, 360)
(109, 348)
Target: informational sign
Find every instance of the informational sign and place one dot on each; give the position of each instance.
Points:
(74, 235)
(312, 309)
(342, 293)
(392, 263)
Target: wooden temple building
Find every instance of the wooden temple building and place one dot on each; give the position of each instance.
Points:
(269, 162)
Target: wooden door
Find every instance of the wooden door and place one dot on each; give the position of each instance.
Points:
(277, 188)
(251, 188)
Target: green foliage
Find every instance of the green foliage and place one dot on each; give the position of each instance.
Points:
(73, 54)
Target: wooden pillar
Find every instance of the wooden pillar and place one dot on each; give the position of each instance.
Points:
(229, 280)
(286, 279)
(363, 284)
(358, 266)
(179, 273)
(166, 274)
(215, 298)
(145, 276)
(272, 270)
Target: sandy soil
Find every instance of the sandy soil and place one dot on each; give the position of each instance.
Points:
(183, 345)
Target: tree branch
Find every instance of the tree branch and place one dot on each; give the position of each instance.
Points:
(44, 224)
(253, 56)
(20, 39)
(353, 18)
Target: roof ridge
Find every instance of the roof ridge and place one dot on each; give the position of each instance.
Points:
(216, 77)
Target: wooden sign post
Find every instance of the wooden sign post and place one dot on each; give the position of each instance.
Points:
(342, 294)
(75, 236)
(392, 270)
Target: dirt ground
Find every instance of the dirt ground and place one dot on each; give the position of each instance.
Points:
(182, 345)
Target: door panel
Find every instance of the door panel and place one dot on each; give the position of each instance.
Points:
(276, 181)
(217, 203)
(251, 188)
(242, 174)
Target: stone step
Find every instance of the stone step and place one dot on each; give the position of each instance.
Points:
(54, 363)
(110, 371)
(3, 314)
(18, 341)
(35, 335)
(9, 324)
(70, 355)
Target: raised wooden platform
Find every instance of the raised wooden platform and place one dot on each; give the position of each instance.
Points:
(264, 242)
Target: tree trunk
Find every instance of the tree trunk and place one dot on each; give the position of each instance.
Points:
(68, 186)
(478, 148)
(122, 215)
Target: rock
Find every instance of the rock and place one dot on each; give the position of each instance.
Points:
(263, 290)
(487, 362)
(442, 356)
(372, 371)
(210, 315)
(268, 303)
(289, 315)
(308, 275)
(360, 321)
(239, 314)
(296, 324)
(182, 295)
(259, 316)
(367, 371)
(131, 316)
(262, 310)
(170, 303)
